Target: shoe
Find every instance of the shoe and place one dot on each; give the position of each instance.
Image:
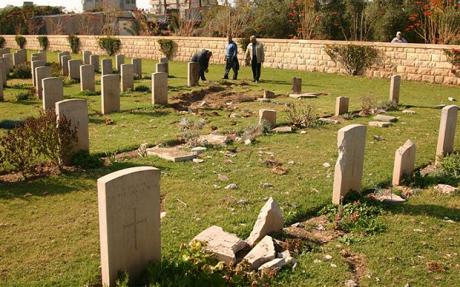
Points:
(225, 78)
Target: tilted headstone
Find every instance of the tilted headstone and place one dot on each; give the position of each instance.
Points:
(193, 74)
(162, 67)
(351, 141)
(94, 60)
(341, 105)
(60, 57)
(87, 81)
(106, 67)
(34, 65)
(404, 162)
(296, 85)
(119, 60)
(129, 221)
(76, 111)
(65, 64)
(137, 63)
(53, 92)
(40, 74)
(267, 117)
(127, 77)
(447, 127)
(74, 69)
(9, 60)
(159, 88)
(86, 57)
(394, 89)
(110, 93)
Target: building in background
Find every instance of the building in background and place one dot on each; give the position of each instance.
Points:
(101, 5)
(189, 9)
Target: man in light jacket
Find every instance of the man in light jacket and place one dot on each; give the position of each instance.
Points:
(256, 56)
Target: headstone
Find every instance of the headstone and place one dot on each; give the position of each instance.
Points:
(76, 111)
(159, 88)
(94, 60)
(193, 74)
(394, 89)
(20, 57)
(1, 91)
(162, 67)
(270, 219)
(351, 141)
(86, 57)
(110, 93)
(263, 252)
(60, 57)
(3, 71)
(35, 57)
(404, 162)
(65, 64)
(87, 81)
(16, 59)
(296, 85)
(107, 67)
(34, 65)
(267, 117)
(127, 77)
(119, 60)
(137, 63)
(40, 74)
(447, 128)
(9, 60)
(164, 60)
(341, 105)
(74, 69)
(129, 221)
(53, 92)
(43, 56)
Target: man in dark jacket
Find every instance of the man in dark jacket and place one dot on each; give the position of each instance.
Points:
(202, 58)
(231, 59)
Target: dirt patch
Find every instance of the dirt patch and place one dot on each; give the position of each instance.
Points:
(316, 229)
(356, 263)
(214, 97)
(42, 170)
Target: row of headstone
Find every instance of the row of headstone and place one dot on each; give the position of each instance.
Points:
(20, 57)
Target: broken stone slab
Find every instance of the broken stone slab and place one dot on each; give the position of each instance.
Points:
(283, 130)
(388, 197)
(445, 189)
(329, 121)
(385, 118)
(379, 124)
(214, 139)
(222, 244)
(305, 95)
(273, 265)
(171, 153)
(263, 252)
(199, 149)
(264, 100)
(407, 111)
(269, 94)
(270, 219)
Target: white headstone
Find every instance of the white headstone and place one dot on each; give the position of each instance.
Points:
(159, 88)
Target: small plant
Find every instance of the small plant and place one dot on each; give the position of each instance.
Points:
(43, 41)
(21, 71)
(368, 106)
(190, 131)
(354, 58)
(302, 115)
(74, 43)
(2, 42)
(21, 41)
(450, 165)
(252, 132)
(142, 88)
(110, 45)
(167, 47)
(85, 160)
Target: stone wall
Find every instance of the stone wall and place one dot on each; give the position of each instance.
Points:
(418, 62)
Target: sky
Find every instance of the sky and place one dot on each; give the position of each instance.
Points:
(71, 5)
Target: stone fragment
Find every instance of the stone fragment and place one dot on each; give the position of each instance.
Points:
(329, 121)
(193, 74)
(304, 96)
(447, 127)
(267, 117)
(127, 77)
(199, 149)
(110, 94)
(388, 197)
(404, 163)
(263, 252)
(213, 139)
(385, 118)
(223, 244)
(273, 265)
(379, 124)
(394, 89)
(341, 105)
(445, 189)
(87, 80)
(159, 88)
(106, 67)
(53, 92)
(283, 130)
(232, 186)
(270, 219)
(172, 154)
(407, 111)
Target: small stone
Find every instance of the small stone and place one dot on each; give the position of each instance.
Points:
(451, 99)
(247, 142)
(198, 160)
(326, 165)
(378, 138)
(407, 111)
(333, 265)
(199, 149)
(445, 189)
(303, 132)
(291, 162)
(385, 118)
(317, 261)
(327, 257)
(350, 283)
(379, 124)
(329, 121)
(266, 185)
(162, 214)
(282, 130)
(222, 177)
(273, 265)
(263, 252)
(232, 186)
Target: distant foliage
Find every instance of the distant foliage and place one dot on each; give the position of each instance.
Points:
(302, 115)
(21, 71)
(453, 56)
(2, 42)
(43, 40)
(167, 47)
(354, 58)
(110, 45)
(74, 43)
(21, 41)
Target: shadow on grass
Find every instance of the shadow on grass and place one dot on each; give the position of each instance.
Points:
(10, 124)
(149, 112)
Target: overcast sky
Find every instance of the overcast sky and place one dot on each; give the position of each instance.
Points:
(71, 5)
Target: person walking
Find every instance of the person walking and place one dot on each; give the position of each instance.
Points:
(399, 38)
(231, 59)
(256, 56)
(202, 58)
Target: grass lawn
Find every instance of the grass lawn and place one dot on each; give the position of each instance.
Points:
(49, 226)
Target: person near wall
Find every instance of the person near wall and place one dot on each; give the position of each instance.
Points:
(399, 38)
(231, 59)
(202, 58)
(255, 56)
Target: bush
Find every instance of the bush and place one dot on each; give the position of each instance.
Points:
(302, 115)
(142, 88)
(354, 58)
(74, 43)
(2, 42)
(43, 41)
(21, 71)
(167, 47)
(190, 131)
(110, 45)
(84, 160)
(21, 41)
(450, 165)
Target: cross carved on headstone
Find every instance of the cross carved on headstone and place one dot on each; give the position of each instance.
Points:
(134, 224)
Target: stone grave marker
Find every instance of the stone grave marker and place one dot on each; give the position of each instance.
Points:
(76, 111)
(162, 67)
(43, 56)
(164, 60)
(127, 77)
(33, 66)
(35, 57)
(9, 60)
(296, 85)
(87, 81)
(53, 92)
(60, 57)
(394, 89)
(1, 87)
(74, 69)
(119, 60)
(193, 74)
(86, 57)
(110, 93)
(160, 88)
(351, 141)
(267, 117)
(129, 221)
(404, 162)
(107, 67)
(40, 74)
(341, 105)
(94, 60)
(65, 64)
(447, 127)
(3, 71)
(137, 63)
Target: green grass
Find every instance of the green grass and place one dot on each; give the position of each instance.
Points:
(49, 226)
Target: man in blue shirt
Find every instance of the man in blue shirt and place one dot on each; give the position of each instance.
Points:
(231, 59)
